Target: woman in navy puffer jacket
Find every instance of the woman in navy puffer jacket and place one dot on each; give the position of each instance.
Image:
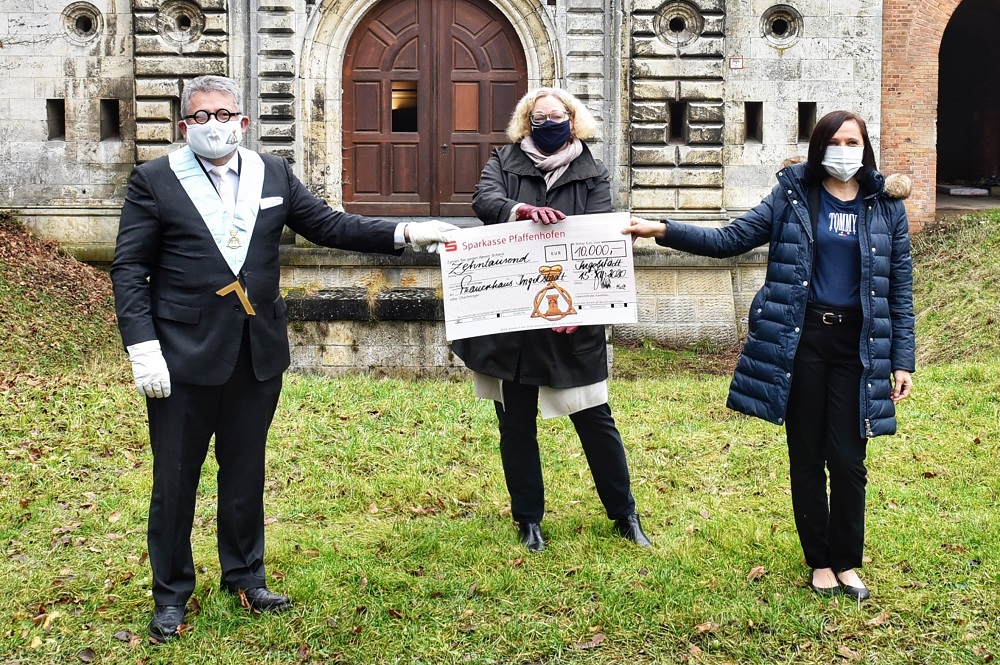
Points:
(830, 345)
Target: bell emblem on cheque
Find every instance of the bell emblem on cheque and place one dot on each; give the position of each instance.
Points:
(552, 295)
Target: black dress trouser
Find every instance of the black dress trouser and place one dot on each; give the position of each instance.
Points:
(239, 414)
(522, 466)
(823, 429)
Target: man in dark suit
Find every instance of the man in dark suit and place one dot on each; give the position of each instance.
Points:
(195, 277)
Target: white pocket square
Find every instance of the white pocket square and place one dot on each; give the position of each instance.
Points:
(270, 202)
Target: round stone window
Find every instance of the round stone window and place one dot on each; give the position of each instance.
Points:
(82, 22)
(678, 23)
(180, 22)
(781, 25)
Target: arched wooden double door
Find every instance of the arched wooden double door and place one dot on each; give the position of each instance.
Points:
(429, 86)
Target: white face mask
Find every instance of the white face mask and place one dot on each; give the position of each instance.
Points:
(215, 139)
(843, 161)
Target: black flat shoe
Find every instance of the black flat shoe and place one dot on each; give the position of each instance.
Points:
(859, 592)
(531, 535)
(263, 599)
(631, 529)
(166, 619)
(823, 590)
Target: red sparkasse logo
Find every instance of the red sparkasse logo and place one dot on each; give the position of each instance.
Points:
(450, 246)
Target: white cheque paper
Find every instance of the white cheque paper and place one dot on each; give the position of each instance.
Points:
(525, 275)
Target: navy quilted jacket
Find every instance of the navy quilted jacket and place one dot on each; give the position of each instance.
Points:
(764, 371)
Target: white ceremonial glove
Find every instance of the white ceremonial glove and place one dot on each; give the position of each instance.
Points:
(429, 235)
(149, 369)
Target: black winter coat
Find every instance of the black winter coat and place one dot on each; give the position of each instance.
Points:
(763, 374)
(539, 357)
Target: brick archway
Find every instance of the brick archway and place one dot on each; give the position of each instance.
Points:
(911, 41)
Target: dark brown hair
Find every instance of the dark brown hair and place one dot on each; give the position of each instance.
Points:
(820, 139)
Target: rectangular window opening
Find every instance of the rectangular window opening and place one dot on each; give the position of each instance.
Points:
(55, 114)
(175, 118)
(678, 121)
(111, 126)
(404, 106)
(753, 122)
(807, 120)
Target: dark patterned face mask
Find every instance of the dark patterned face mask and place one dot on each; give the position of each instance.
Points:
(550, 136)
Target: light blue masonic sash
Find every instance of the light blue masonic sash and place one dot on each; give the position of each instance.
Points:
(201, 191)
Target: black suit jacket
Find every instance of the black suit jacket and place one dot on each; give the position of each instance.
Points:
(167, 269)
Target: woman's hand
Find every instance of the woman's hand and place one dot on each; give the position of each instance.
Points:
(538, 214)
(644, 228)
(902, 384)
(569, 330)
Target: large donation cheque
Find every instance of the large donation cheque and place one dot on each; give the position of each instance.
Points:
(526, 275)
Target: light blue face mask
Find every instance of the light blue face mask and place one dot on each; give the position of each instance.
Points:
(843, 161)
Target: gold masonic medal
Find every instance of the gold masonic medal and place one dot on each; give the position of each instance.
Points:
(552, 293)
(237, 288)
(234, 242)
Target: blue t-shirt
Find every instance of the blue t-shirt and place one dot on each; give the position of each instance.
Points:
(836, 279)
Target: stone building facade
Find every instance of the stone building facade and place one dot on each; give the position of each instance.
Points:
(389, 107)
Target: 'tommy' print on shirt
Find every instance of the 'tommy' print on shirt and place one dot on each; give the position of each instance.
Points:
(844, 223)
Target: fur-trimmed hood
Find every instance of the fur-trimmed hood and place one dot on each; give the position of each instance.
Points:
(898, 186)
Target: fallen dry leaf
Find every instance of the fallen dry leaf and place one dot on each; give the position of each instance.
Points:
(114, 517)
(303, 653)
(704, 513)
(983, 653)
(879, 620)
(756, 573)
(849, 654)
(591, 643)
(706, 627)
(87, 655)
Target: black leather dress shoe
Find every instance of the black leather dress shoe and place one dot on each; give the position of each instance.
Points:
(263, 599)
(823, 590)
(630, 528)
(166, 619)
(531, 535)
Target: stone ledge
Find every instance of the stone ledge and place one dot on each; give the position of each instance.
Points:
(359, 304)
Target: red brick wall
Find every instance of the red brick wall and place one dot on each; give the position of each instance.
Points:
(911, 39)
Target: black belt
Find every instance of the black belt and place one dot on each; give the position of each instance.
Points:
(832, 317)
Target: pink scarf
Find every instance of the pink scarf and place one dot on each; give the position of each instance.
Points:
(554, 165)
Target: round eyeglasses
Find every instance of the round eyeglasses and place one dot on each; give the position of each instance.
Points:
(555, 116)
(222, 115)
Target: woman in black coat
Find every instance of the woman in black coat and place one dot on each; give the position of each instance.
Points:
(830, 344)
(546, 174)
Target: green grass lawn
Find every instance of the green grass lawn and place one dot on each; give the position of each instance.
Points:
(388, 524)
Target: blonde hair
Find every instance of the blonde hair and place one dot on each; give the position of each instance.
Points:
(584, 125)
